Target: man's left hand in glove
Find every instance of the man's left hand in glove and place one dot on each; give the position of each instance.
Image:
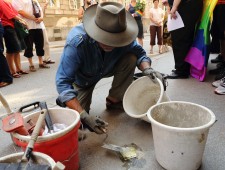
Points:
(150, 72)
(93, 123)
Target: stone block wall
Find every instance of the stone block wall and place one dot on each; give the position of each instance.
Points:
(59, 20)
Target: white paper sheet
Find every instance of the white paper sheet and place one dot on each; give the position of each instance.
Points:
(173, 24)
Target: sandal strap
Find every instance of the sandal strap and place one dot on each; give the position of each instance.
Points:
(32, 68)
(49, 62)
(22, 72)
(16, 75)
(43, 66)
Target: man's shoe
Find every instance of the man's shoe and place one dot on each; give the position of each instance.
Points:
(218, 68)
(174, 75)
(218, 59)
(110, 105)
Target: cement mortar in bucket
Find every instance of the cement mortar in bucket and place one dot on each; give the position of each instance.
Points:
(40, 159)
(141, 95)
(180, 131)
(62, 146)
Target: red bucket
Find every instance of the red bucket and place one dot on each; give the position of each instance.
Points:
(62, 146)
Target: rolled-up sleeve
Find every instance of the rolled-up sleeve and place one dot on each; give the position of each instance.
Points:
(65, 75)
(140, 53)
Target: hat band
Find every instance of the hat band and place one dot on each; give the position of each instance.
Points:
(111, 28)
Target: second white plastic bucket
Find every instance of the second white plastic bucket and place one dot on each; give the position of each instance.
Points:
(141, 95)
(180, 131)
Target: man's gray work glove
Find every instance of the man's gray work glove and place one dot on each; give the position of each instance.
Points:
(152, 74)
(93, 123)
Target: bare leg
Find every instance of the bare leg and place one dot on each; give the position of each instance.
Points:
(151, 49)
(160, 49)
(17, 62)
(41, 63)
(32, 68)
(10, 60)
(40, 60)
(30, 61)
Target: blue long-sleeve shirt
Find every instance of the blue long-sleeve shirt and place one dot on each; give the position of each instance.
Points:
(82, 62)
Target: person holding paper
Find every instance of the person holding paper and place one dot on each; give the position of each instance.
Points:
(182, 38)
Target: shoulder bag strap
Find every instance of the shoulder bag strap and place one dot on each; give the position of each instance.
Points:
(33, 7)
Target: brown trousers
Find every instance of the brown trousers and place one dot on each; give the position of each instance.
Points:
(123, 77)
(156, 30)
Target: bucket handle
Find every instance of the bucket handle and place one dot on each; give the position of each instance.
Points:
(35, 104)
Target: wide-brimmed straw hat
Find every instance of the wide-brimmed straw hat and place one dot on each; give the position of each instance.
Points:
(110, 24)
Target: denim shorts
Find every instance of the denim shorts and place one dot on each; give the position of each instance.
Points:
(12, 43)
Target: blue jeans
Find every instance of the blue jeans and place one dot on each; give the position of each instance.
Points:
(5, 75)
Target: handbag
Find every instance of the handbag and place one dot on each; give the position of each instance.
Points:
(21, 29)
(36, 9)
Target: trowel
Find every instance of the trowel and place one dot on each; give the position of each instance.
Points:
(126, 152)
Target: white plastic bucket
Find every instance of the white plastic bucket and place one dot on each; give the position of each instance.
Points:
(180, 131)
(141, 95)
(62, 146)
(40, 158)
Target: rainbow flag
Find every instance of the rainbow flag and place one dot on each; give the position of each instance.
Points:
(138, 12)
(198, 55)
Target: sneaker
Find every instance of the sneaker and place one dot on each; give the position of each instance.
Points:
(218, 59)
(220, 89)
(217, 83)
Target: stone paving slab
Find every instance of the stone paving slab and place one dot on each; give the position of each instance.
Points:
(40, 86)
